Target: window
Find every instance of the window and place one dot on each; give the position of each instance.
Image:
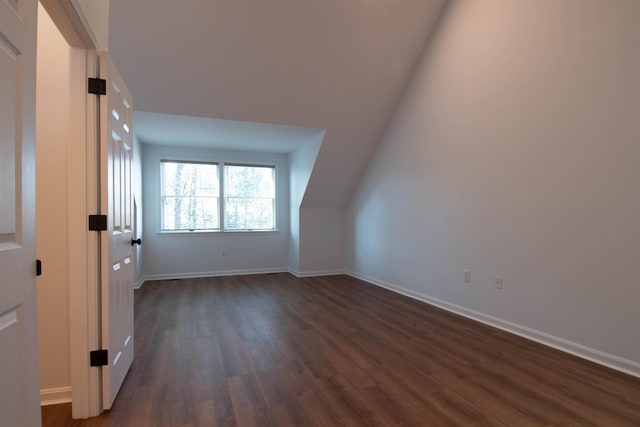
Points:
(249, 197)
(192, 197)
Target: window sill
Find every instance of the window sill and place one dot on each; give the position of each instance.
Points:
(217, 233)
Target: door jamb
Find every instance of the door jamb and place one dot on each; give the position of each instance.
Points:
(83, 190)
(84, 252)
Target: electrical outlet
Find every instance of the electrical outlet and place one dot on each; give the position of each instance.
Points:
(467, 276)
(498, 282)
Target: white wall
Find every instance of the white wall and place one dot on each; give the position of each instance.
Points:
(321, 241)
(199, 254)
(514, 152)
(94, 15)
(301, 162)
(316, 235)
(52, 136)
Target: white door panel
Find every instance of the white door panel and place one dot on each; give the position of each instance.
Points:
(8, 89)
(10, 357)
(19, 390)
(117, 278)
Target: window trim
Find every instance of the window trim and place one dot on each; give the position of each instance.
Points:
(221, 199)
(223, 191)
(196, 162)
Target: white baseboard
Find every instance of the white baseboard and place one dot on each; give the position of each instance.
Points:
(612, 361)
(317, 273)
(170, 276)
(54, 396)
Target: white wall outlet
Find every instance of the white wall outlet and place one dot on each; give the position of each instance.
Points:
(467, 276)
(223, 252)
(498, 282)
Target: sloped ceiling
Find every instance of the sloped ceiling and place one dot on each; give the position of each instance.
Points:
(338, 65)
(188, 131)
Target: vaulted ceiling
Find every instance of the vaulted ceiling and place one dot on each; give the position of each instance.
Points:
(338, 65)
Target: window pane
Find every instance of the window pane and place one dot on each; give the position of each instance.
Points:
(190, 179)
(249, 198)
(249, 214)
(190, 194)
(190, 213)
(249, 181)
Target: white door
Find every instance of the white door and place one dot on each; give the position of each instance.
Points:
(116, 145)
(19, 378)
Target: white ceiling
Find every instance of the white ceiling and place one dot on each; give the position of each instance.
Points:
(186, 131)
(338, 65)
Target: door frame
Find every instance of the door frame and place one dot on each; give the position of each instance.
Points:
(83, 189)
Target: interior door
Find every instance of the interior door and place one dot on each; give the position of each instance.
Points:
(19, 378)
(116, 149)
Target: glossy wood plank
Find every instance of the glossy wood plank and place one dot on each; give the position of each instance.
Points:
(275, 350)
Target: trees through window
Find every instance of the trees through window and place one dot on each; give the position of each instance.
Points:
(249, 197)
(195, 196)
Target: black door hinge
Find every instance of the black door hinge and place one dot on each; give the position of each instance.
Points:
(99, 358)
(97, 222)
(97, 86)
(38, 267)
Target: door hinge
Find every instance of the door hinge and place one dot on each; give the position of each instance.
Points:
(38, 267)
(97, 86)
(99, 358)
(97, 222)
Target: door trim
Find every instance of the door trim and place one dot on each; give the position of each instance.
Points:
(84, 273)
(83, 190)
(63, 13)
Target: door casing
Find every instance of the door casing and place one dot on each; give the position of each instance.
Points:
(84, 246)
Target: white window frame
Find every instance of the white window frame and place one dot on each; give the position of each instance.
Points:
(162, 195)
(223, 190)
(221, 198)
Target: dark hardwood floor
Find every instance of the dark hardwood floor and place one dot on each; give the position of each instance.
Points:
(329, 351)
